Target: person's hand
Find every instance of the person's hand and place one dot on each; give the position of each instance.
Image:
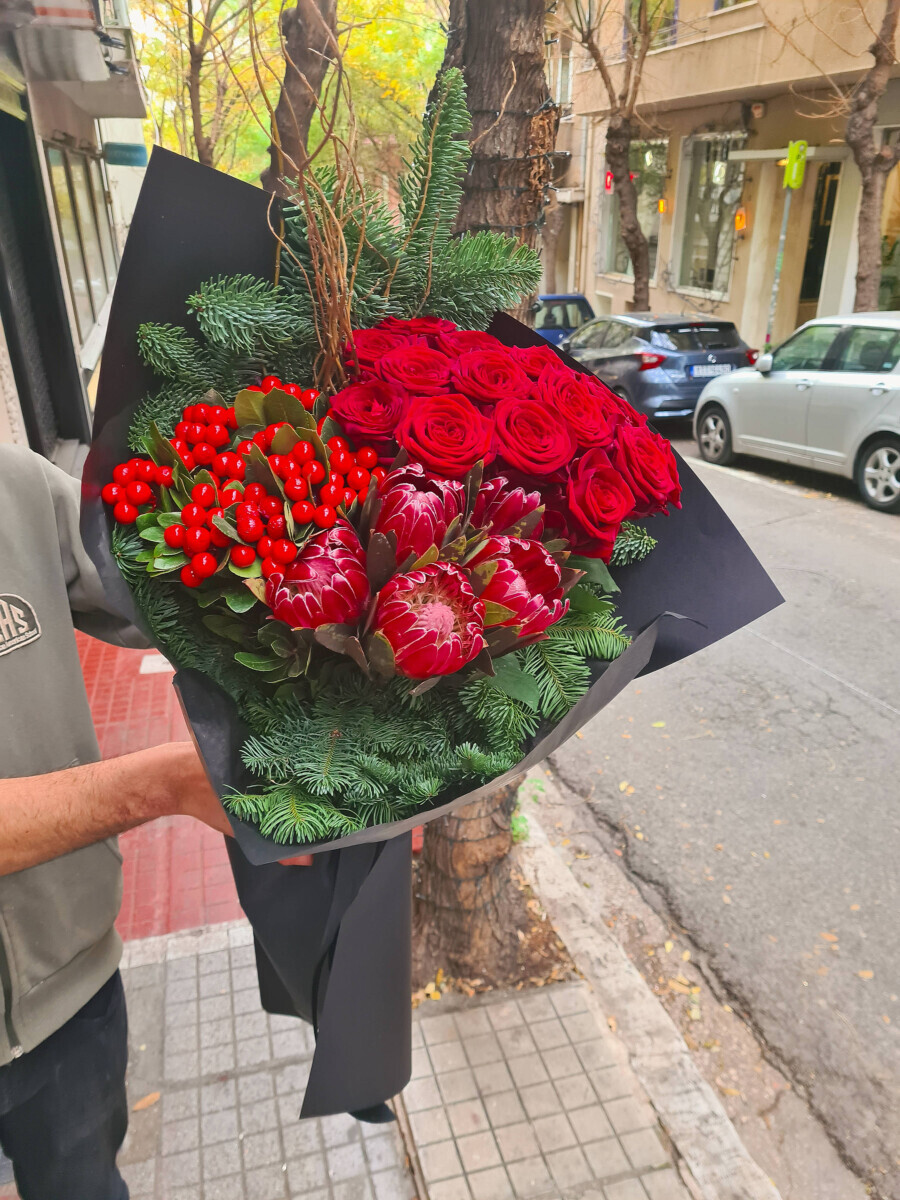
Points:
(193, 793)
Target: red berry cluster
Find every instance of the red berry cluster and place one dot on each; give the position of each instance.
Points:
(204, 438)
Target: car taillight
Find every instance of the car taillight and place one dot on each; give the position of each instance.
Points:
(752, 356)
(649, 361)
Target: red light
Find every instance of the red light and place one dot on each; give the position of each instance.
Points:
(649, 361)
(609, 181)
(752, 356)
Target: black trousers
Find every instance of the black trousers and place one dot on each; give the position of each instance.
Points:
(63, 1111)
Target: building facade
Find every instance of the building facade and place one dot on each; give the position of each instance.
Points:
(724, 90)
(71, 159)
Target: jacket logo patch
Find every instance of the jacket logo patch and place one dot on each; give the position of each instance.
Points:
(19, 625)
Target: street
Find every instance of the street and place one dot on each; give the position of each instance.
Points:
(754, 790)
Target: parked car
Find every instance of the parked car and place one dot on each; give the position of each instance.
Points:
(659, 363)
(556, 316)
(829, 398)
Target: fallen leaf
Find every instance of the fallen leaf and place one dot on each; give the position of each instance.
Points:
(582, 854)
(659, 725)
(623, 785)
(612, 1023)
(766, 854)
(729, 1091)
(639, 836)
(727, 1008)
(694, 1012)
(886, 1018)
(726, 899)
(146, 1102)
(566, 842)
(854, 908)
(675, 986)
(579, 734)
(866, 974)
(828, 937)
(686, 956)
(439, 977)
(669, 947)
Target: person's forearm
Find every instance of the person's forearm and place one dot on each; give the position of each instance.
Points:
(44, 816)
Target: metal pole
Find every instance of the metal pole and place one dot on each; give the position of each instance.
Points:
(779, 261)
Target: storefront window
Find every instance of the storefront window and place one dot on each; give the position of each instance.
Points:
(71, 243)
(713, 196)
(648, 161)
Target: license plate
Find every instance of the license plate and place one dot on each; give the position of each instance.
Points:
(705, 370)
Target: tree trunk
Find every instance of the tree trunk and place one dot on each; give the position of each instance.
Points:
(553, 225)
(868, 271)
(309, 32)
(618, 155)
(499, 47)
(202, 143)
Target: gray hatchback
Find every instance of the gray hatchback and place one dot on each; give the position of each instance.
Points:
(659, 364)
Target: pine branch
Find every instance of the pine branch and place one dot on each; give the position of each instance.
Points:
(632, 544)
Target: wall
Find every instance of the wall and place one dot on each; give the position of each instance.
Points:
(124, 182)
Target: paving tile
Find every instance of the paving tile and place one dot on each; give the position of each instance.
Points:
(382, 1152)
(438, 1029)
(230, 1188)
(450, 1189)
(140, 1177)
(568, 1000)
(644, 1149)
(493, 1077)
(457, 1085)
(478, 1151)
(629, 1114)
(597, 1054)
(554, 1133)
(540, 1100)
(393, 1184)
(244, 977)
(575, 1091)
(181, 1170)
(258, 1086)
(421, 1093)
(561, 1062)
(339, 1129)
(515, 1141)
(421, 1064)
(431, 1125)
(664, 1185)
(352, 1189)
(611, 1083)
(180, 1135)
(217, 1060)
(180, 1103)
(483, 1049)
(528, 1069)
(262, 1149)
(223, 1159)
(216, 984)
(244, 1002)
(291, 1043)
(300, 1137)
(208, 964)
(516, 1041)
(179, 968)
(590, 1124)
(492, 1184)
(468, 1116)
(307, 1173)
(530, 1177)
(215, 1033)
(255, 1118)
(181, 1067)
(269, 1183)
(447, 1056)
(549, 1034)
(536, 1007)
(213, 1007)
(626, 1189)
(505, 1016)
(219, 1126)
(607, 1158)
(472, 1023)
(504, 1109)
(569, 1167)
(292, 1078)
(253, 1051)
(346, 1162)
(440, 1161)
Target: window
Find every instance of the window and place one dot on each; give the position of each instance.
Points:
(727, 3)
(714, 186)
(79, 199)
(619, 334)
(562, 314)
(648, 162)
(696, 337)
(662, 16)
(806, 350)
(590, 337)
(866, 349)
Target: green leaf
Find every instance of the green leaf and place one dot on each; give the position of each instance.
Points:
(259, 471)
(163, 519)
(254, 571)
(285, 440)
(161, 451)
(259, 662)
(583, 601)
(510, 679)
(248, 408)
(152, 533)
(497, 614)
(596, 570)
(239, 600)
(225, 627)
(280, 406)
(164, 563)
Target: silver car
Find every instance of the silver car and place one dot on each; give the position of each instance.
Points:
(828, 398)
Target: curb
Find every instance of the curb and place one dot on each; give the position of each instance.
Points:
(688, 1108)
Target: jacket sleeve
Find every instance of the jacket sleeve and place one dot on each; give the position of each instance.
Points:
(92, 611)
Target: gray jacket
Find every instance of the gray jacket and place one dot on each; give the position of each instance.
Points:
(58, 945)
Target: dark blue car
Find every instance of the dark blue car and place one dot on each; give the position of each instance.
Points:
(556, 316)
(659, 364)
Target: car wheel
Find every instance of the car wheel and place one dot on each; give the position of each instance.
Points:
(878, 474)
(714, 436)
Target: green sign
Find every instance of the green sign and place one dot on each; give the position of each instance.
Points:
(795, 166)
(125, 154)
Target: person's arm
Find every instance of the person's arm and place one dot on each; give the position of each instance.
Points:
(44, 816)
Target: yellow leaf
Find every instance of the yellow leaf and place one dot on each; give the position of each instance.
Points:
(729, 1091)
(623, 785)
(866, 974)
(727, 1008)
(439, 977)
(669, 947)
(676, 986)
(639, 836)
(694, 1013)
(582, 854)
(146, 1102)
(658, 725)
(579, 734)
(686, 956)
(854, 908)
(828, 937)
(612, 1023)
(566, 842)
(726, 899)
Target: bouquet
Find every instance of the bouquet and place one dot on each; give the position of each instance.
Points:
(374, 526)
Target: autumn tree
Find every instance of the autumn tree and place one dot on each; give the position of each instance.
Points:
(617, 39)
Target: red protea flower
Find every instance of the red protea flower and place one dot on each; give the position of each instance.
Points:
(432, 620)
(326, 584)
(522, 579)
(501, 508)
(417, 510)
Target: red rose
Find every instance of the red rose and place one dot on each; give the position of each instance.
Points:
(619, 411)
(583, 408)
(487, 376)
(600, 499)
(531, 437)
(366, 346)
(446, 434)
(647, 464)
(458, 341)
(419, 369)
(369, 411)
(423, 326)
(535, 359)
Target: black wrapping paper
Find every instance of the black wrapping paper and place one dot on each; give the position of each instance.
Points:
(320, 930)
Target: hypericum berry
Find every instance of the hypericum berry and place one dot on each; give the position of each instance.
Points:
(280, 464)
(337, 443)
(284, 551)
(201, 413)
(271, 506)
(250, 529)
(313, 471)
(260, 439)
(180, 446)
(138, 492)
(379, 473)
(247, 511)
(330, 493)
(303, 452)
(196, 540)
(238, 466)
(182, 429)
(218, 436)
(123, 474)
(244, 446)
(337, 480)
(203, 493)
(349, 497)
(268, 382)
(296, 488)
(188, 460)
(325, 516)
(189, 413)
(193, 514)
(270, 567)
(195, 433)
(125, 513)
(357, 478)
(112, 493)
(173, 536)
(292, 389)
(217, 414)
(218, 539)
(204, 453)
(252, 387)
(366, 457)
(255, 492)
(276, 526)
(302, 512)
(230, 495)
(230, 419)
(308, 398)
(147, 471)
(221, 464)
(204, 565)
(264, 546)
(189, 577)
(341, 461)
(243, 556)
(164, 476)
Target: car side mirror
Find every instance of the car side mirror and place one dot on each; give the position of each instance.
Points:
(764, 364)
(536, 306)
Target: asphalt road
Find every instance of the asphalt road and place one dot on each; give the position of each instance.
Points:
(762, 803)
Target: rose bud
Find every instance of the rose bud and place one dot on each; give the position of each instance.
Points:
(523, 578)
(325, 585)
(417, 510)
(501, 508)
(432, 621)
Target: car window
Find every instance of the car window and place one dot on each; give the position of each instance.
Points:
(590, 337)
(806, 350)
(869, 350)
(578, 311)
(562, 314)
(696, 337)
(618, 335)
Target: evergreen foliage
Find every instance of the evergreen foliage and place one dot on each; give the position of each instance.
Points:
(633, 543)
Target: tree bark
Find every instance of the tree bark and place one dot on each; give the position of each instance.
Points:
(874, 162)
(309, 33)
(618, 156)
(202, 143)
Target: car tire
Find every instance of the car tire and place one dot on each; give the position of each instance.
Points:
(878, 473)
(714, 436)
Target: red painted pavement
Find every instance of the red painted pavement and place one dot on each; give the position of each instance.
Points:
(176, 872)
